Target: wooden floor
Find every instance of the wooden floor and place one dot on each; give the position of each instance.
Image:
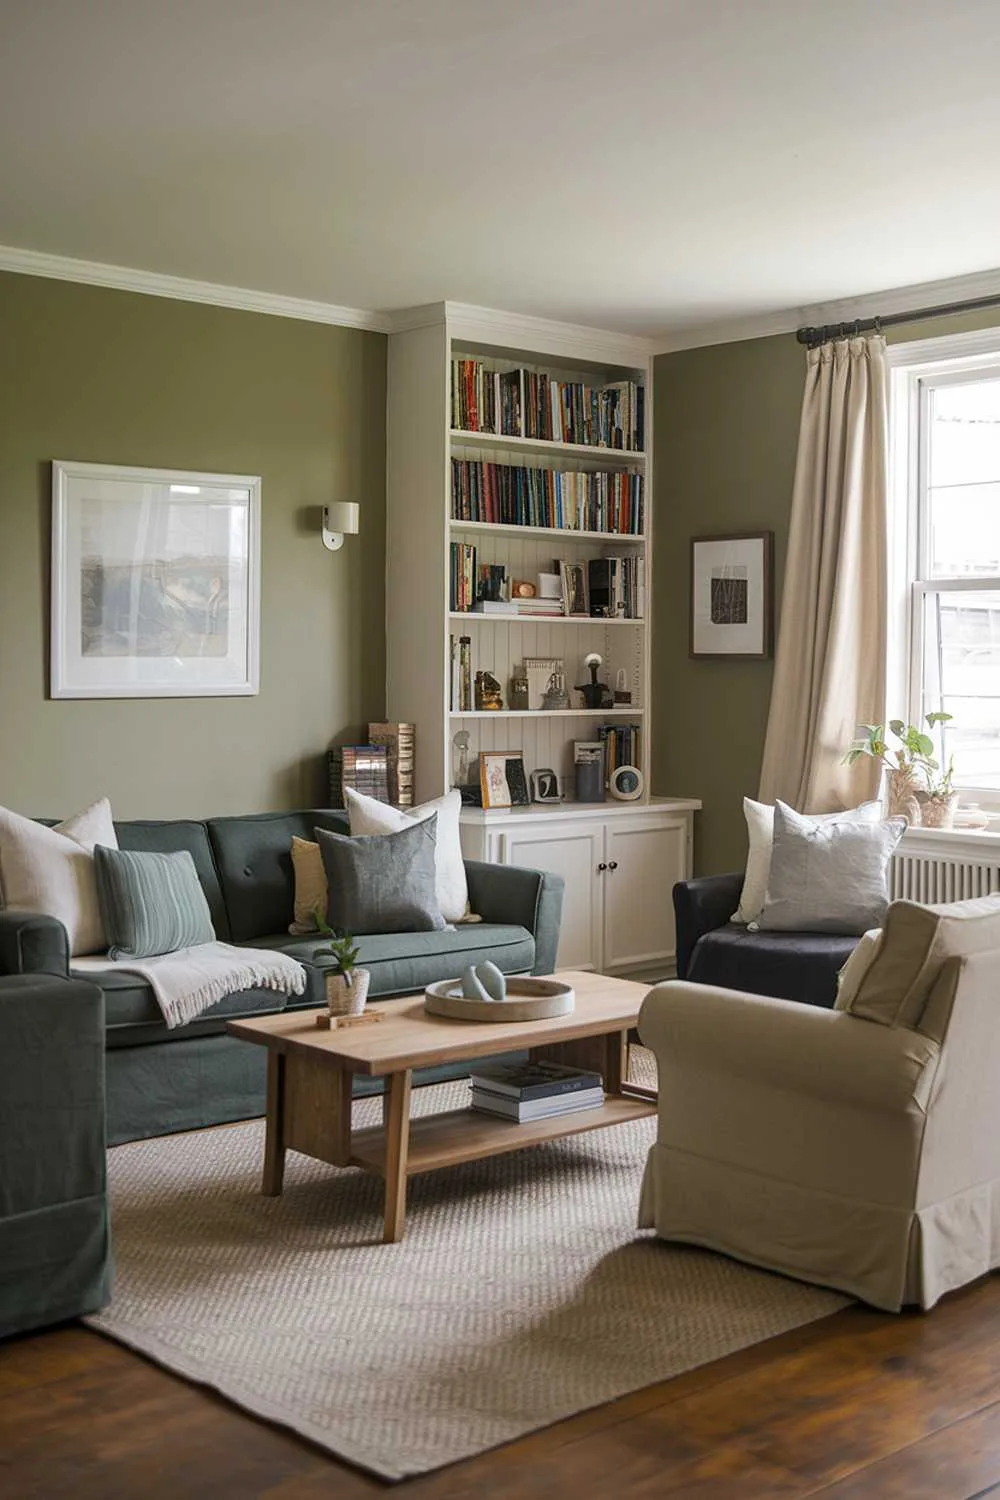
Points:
(859, 1405)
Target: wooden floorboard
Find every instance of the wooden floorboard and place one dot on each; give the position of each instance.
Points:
(858, 1406)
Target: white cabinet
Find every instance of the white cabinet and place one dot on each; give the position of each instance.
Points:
(619, 862)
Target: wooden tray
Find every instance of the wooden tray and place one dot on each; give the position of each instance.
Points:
(527, 999)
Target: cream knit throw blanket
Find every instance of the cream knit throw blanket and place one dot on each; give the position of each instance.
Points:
(192, 980)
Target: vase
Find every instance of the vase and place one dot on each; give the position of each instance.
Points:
(343, 999)
(938, 812)
(901, 798)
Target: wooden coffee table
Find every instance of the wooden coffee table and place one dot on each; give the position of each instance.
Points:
(309, 1075)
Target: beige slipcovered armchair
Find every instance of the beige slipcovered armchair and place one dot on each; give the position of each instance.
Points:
(858, 1147)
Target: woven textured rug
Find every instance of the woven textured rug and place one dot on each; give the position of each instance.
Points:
(521, 1295)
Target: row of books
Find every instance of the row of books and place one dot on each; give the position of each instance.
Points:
(563, 499)
(535, 1090)
(616, 587)
(460, 695)
(621, 746)
(463, 582)
(526, 403)
(382, 769)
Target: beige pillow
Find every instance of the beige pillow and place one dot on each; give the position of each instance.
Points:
(310, 886)
(51, 870)
(857, 966)
(916, 942)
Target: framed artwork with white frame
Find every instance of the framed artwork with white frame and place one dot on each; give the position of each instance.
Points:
(731, 595)
(155, 583)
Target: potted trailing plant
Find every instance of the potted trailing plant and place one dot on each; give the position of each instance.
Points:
(346, 984)
(910, 763)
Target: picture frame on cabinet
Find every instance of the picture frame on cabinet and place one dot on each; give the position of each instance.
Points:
(732, 604)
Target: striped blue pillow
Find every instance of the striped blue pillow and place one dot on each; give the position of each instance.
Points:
(150, 903)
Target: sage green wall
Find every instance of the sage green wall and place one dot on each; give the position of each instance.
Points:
(726, 431)
(106, 376)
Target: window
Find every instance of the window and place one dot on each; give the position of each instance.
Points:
(945, 551)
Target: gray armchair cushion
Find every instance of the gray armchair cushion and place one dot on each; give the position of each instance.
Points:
(799, 966)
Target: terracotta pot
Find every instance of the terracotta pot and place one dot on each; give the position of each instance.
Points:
(938, 812)
(343, 999)
(902, 798)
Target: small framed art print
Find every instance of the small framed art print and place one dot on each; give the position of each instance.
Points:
(502, 779)
(731, 595)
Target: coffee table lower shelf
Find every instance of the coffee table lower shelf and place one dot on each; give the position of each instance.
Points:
(460, 1135)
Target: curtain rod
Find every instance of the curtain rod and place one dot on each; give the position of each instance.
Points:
(854, 326)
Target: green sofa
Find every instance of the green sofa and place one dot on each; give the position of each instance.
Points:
(159, 1081)
(55, 1260)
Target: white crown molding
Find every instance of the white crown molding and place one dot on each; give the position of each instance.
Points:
(180, 289)
(845, 309)
(521, 331)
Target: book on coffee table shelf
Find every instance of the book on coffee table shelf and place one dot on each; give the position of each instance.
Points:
(535, 1090)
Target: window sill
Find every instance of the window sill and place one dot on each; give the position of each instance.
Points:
(975, 843)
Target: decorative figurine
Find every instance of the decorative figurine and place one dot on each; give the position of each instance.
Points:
(488, 694)
(555, 695)
(492, 980)
(595, 694)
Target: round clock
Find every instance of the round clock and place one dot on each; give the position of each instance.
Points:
(626, 783)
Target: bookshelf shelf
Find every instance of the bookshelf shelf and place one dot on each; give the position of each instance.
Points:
(464, 616)
(546, 445)
(566, 533)
(629, 712)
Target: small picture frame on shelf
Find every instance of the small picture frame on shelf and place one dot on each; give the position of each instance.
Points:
(502, 779)
(575, 589)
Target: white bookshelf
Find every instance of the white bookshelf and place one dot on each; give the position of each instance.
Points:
(420, 620)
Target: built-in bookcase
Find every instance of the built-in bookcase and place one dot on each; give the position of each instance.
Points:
(423, 520)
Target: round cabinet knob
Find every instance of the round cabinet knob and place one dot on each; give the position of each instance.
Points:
(613, 865)
(601, 868)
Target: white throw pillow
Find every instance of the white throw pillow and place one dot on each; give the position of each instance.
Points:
(760, 830)
(51, 870)
(368, 816)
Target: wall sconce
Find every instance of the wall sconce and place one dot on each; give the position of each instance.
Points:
(339, 520)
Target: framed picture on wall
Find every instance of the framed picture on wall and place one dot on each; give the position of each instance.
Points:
(155, 583)
(732, 605)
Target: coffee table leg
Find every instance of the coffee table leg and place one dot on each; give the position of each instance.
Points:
(274, 1142)
(397, 1142)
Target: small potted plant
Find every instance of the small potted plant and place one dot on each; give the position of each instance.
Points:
(346, 984)
(939, 799)
(908, 763)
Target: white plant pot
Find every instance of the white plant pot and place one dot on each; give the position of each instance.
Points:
(343, 999)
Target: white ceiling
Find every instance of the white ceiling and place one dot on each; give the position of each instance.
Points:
(641, 165)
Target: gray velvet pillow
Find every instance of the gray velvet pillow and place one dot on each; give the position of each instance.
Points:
(150, 903)
(382, 882)
(828, 877)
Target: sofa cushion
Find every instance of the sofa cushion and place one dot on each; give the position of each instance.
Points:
(51, 870)
(916, 943)
(171, 838)
(404, 962)
(150, 903)
(382, 882)
(254, 859)
(133, 1018)
(799, 966)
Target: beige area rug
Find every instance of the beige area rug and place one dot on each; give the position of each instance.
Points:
(522, 1293)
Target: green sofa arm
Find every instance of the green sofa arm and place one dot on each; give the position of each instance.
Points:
(31, 943)
(517, 897)
(55, 1255)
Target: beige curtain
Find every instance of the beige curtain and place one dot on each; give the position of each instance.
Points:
(829, 670)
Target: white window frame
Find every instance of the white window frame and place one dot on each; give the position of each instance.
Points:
(915, 369)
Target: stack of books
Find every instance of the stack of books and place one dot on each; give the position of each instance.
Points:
(364, 768)
(535, 1090)
(398, 740)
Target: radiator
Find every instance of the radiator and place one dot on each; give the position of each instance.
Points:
(929, 878)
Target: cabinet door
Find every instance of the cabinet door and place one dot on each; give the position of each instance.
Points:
(574, 851)
(644, 857)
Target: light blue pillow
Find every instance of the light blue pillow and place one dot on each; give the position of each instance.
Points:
(150, 903)
(828, 877)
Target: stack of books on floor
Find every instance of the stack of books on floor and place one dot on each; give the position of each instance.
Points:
(535, 1090)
